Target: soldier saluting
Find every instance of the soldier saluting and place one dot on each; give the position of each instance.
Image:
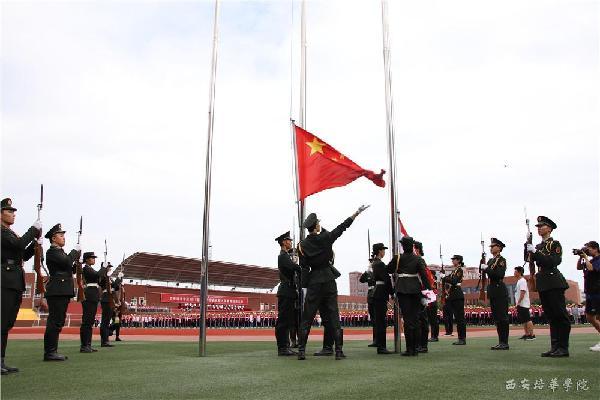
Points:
(59, 289)
(286, 295)
(551, 285)
(90, 303)
(497, 292)
(318, 277)
(15, 250)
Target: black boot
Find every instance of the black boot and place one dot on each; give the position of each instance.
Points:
(339, 343)
(325, 351)
(302, 338)
(54, 356)
(9, 369)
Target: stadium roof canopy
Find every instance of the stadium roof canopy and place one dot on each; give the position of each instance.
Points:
(158, 267)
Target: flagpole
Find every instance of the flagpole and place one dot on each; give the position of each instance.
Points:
(389, 108)
(207, 187)
(301, 205)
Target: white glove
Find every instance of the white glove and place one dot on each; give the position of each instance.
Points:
(304, 290)
(120, 275)
(37, 225)
(40, 241)
(78, 247)
(424, 301)
(483, 266)
(531, 248)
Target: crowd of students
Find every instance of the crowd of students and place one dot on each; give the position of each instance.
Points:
(474, 315)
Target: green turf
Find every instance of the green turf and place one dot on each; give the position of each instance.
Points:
(236, 370)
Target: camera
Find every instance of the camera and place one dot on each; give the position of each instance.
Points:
(580, 252)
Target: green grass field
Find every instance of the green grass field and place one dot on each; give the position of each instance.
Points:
(251, 370)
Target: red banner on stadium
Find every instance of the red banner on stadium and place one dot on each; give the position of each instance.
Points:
(195, 299)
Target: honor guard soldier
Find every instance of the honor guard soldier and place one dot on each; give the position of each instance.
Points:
(423, 331)
(456, 298)
(15, 250)
(381, 295)
(367, 277)
(286, 295)
(409, 268)
(59, 289)
(551, 285)
(318, 277)
(107, 303)
(497, 292)
(89, 305)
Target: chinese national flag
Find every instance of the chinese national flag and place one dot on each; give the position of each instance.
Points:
(321, 167)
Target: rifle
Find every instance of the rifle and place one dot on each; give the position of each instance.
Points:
(38, 251)
(369, 245)
(444, 293)
(78, 268)
(482, 277)
(122, 307)
(528, 257)
(108, 283)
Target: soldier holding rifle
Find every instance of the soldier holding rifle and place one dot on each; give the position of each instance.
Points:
(15, 250)
(497, 292)
(286, 295)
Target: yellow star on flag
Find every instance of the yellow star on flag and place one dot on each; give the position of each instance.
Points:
(315, 146)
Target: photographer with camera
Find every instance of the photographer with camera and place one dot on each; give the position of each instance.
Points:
(591, 283)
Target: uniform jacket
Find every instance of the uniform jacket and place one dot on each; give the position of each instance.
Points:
(368, 278)
(316, 255)
(548, 257)
(15, 250)
(382, 291)
(412, 264)
(287, 268)
(92, 293)
(103, 286)
(456, 277)
(61, 269)
(496, 268)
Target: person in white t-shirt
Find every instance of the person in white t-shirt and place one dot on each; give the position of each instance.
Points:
(523, 304)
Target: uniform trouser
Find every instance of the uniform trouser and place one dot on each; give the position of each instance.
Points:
(107, 314)
(458, 312)
(117, 329)
(321, 297)
(11, 302)
(433, 319)
(423, 327)
(499, 307)
(371, 308)
(448, 320)
(380, 308)
(553, 303)
(285, 320)
(57, 312)
(87, 322)
(410, 305)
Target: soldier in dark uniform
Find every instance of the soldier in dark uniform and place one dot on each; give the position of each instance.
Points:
(409, 267)
(15, 250)
(456, 298)
(59, 289)
(368, 278)
(89, 306)
(318, 277)
(105, 302)
(286, 295)
(381, 295)
(423, 331)
(497, 292)
(551, 285)
(432, 312)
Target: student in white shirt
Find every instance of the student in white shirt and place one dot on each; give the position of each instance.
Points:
(523, 304)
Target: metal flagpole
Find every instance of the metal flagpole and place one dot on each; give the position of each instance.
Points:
(389, 108)
(301, 208)
(207, 185)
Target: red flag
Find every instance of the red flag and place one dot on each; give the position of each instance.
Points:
(402, 230)
(321, 167)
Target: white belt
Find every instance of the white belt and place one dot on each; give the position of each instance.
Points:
(458, 284)
(408, 275)
(104, 291)
(379, 282)
(371, 287)
(91, 285)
